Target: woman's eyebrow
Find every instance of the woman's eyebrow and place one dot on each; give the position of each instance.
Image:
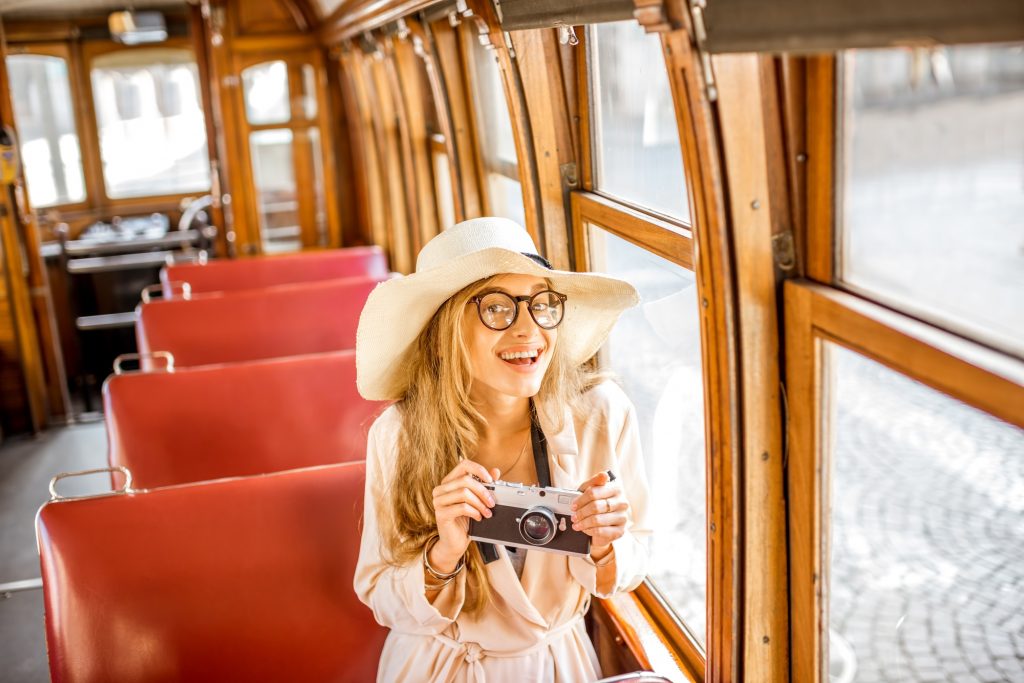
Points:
(539, 287)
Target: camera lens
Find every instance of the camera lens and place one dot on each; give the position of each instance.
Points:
(537, 526)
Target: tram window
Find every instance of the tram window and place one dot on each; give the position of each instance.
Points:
(933, 185)
(309, 103)
(637, 156)
(277, 199)
(494, 132)
(926, 535)
(151, 126)
(319, 185)
(265, 88)
(41, 95)
(443, 189)
(654, 350)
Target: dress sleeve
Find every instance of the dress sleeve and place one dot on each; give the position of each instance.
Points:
(396, 594)
(628, 565)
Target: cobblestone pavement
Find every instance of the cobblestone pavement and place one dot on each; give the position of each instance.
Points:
(927, 564)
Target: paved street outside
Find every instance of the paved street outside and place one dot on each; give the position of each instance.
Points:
(927, 579)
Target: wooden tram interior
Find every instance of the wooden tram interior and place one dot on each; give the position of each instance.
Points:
(311, 148)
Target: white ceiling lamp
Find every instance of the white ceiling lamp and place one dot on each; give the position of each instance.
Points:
(135, 28)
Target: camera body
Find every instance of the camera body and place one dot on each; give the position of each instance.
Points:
(533, 517)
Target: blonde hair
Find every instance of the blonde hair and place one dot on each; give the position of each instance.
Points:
(440, 426)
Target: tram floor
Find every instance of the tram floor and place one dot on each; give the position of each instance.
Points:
(26, 467)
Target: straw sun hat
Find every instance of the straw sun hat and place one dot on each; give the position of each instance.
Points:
(399, 309)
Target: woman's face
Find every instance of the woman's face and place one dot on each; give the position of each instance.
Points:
(495, 369)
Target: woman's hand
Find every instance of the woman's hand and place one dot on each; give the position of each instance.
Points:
(457, 498)
(601, 513)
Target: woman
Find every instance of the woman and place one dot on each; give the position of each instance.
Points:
(484, 387)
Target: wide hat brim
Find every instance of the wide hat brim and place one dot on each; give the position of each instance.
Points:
(398, 310)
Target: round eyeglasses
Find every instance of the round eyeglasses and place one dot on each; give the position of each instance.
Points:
(498, 310)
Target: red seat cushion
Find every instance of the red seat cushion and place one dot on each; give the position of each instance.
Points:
(285, 320)
(237, 419)
(238, 580)
(264, 271)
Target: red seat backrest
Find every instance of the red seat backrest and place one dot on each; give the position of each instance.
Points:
(285, 320)
(264, 271)
(237, 419)
(237, 580)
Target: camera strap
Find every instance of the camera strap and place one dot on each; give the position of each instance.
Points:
(540, 461)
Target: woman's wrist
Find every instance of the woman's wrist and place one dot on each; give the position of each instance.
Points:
(439, 563)
(601, 554)
(442, 562)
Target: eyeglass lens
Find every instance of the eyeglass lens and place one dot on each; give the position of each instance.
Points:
(498, 310)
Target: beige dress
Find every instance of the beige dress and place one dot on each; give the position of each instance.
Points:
(533, 629)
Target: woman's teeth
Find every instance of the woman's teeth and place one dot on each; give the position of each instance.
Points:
(516, 355)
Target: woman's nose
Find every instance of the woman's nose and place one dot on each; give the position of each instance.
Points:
(524, 323)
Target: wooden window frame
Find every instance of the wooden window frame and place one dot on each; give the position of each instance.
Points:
(962, 369)
(249, 231)
(99, 199)
(588, 142)
(672, 240)
(62, 50)
(821, 309)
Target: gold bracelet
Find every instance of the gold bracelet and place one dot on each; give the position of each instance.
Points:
(440, 576)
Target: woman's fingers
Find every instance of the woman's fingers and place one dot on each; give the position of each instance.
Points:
(464, 483)
(601, 506)
(456, 510)
(458, 497)
(469, 468)
(608, 489)
(594, 522)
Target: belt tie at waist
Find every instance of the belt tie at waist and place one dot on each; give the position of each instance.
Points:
(472, 653)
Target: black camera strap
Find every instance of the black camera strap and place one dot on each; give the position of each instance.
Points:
(540, 461)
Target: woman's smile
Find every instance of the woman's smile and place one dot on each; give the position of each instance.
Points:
(522, 358)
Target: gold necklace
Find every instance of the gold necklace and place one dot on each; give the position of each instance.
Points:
(518, 457)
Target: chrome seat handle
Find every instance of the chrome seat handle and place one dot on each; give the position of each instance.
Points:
(182, 285)
(167, 356)
(127, 488)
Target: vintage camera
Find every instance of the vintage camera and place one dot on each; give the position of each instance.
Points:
(532, 517)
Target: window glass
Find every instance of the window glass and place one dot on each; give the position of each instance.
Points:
(265, 88)
(927, 533)
(494, 130)
(277, 199)
(309, 101)
(443, 190)
(506, 196)
(654, 351)
(151, 125)
(43, 112)
(316, 154)
(933, 185)
(636, 142)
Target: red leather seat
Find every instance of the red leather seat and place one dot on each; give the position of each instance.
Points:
(236, 580)
(285, 320)
(264, 271)
(237, 419)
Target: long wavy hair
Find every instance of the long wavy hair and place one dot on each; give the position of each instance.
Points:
(440, 426)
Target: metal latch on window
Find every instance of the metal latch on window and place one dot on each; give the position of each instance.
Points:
(700, 35)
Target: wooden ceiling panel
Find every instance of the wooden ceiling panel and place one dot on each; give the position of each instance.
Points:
(69, 8)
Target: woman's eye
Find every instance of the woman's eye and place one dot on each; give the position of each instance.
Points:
(497, 309)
